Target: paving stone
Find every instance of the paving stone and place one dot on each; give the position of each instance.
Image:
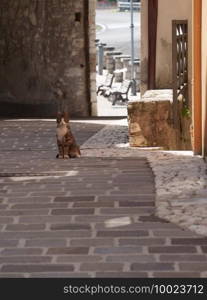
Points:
(138, 186)
(118, 224)
(3, 206)
(17, 194)
(176, 274)
(124, 211)
(95, 218)
(44, 234)
(60, 275)
(172, 233)
(128, 224)
(25, 227)
(152, 218)
(172, 249)
(70, 227)
(29, 189)
(39, 206)
(46, 193)
(14, 212)
(142, 241)
(46, 243)
(13, 275)
(189, 241)
(94, 204)
(22, 251)
(119, 233)
(45, 219)
(118, 250)
(193, 266)
(92, 193)
(132, 192)
(152, 266)
(183, 258)
(8, 243)
(73, 211)
(79, 259)
(22, 259)
(101, 267)
(129, 198)
(136, 204)
(3, 192)
(68, 250)
(204, 249)
(124, 179)
(30, 199)
(37, 268)
(121, 275)
(131, 258)
(92, 242)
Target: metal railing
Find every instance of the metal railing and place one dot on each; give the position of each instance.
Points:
(179, 63)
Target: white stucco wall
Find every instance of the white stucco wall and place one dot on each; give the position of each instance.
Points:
(168, 10)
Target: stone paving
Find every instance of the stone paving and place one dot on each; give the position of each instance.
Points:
(180, 177)
(88, 217)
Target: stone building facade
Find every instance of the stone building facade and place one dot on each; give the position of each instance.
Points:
(168, 10)
(156, 120)
(47, 57)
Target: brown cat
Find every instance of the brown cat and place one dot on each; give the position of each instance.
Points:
(66, 143)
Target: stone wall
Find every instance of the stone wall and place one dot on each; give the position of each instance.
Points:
(44, 58)
(163, 131)
(151, 122)
(171, 10)
(92, 53)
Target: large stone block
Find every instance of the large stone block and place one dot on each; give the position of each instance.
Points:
(151, 122)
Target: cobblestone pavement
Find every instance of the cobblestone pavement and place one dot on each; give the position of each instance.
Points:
(88, 217)
(180, 177)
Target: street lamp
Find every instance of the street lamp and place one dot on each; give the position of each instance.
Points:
(133, 81)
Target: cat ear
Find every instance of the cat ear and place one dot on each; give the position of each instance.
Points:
(59, 116)
(66, 117)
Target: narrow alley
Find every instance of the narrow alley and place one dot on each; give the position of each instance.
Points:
(88, 217)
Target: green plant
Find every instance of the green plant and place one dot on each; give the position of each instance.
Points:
(186, 111)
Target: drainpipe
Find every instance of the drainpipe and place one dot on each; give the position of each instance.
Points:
(133, 81)
(152, 42)
(205, 133)
(197, 103)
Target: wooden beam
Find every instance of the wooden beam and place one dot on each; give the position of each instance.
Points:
(197, 105)
(152, 42)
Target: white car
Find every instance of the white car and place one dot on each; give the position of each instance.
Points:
(125, 5)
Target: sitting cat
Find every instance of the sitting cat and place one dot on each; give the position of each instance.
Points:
(66, 143)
